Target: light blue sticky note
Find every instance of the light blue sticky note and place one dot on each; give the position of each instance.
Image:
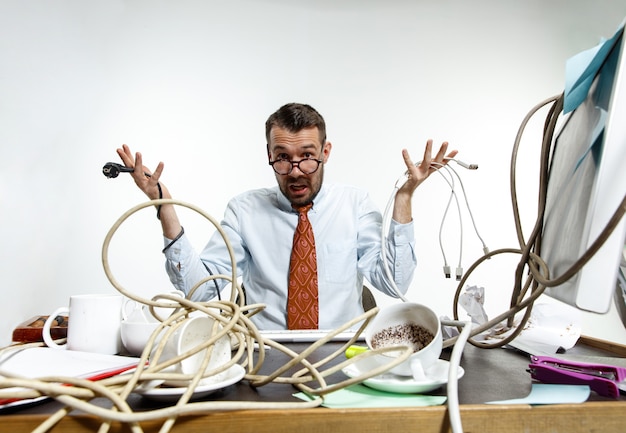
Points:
(361, 396)
(544, 393)
(581, 69)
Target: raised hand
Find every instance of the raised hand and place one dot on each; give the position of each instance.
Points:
(147, 181)
(416, 174)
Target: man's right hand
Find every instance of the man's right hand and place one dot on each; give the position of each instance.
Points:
(149, 183)
(144, 178)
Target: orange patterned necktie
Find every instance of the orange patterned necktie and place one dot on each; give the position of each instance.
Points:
(302, 300)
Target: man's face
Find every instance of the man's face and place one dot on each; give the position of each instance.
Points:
(298, 187)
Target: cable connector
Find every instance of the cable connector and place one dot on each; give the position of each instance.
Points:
(459, 273)
(464, 164)
(446, 271)
(486, 250)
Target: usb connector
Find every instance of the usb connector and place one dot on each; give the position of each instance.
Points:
(459, 273)
(464, 164)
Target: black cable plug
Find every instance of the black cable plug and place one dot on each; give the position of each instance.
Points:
(113, 169)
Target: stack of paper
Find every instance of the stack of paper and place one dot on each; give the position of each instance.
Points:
(40, 362)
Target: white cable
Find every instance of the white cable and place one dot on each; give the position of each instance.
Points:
(387, 217)
(469, 209)
(454, 411)
(446, 266)
(451, 184)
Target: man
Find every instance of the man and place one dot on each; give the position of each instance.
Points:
(260, 226)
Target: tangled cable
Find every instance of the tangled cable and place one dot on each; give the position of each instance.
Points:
(532, 276)
(231, 319)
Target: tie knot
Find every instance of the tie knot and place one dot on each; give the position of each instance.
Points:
(303, 209)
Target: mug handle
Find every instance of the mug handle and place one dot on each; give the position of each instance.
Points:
(418, 370)
(129, 306)
(46, 329)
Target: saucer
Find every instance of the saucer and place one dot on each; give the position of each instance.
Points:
(168, 394)
(436, 376)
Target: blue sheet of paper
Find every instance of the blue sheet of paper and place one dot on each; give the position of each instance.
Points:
(581, 69)
(543, 393)
(361, 396)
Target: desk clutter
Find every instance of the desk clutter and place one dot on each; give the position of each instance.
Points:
(482, 375)
(191, 360)
(194, 351)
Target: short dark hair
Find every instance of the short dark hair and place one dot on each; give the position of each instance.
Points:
(295, 117)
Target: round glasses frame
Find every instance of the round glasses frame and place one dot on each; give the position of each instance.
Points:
(306, 165)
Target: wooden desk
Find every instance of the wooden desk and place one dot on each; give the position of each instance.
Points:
(495, 374)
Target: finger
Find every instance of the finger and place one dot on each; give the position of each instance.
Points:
(127, 151)
(449, 157)
(126, 156)
(411, 169)
(157, 172)
(442, 152)
(452, 154)
(428, 149)
(407, 159)
(139, 164)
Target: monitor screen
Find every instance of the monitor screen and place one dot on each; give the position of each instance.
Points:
(587, 182)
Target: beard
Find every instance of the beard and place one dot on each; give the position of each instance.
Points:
(303, 189)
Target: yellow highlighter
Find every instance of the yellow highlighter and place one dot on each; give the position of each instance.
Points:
(354, 350)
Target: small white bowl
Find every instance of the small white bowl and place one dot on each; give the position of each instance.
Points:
(135, 335)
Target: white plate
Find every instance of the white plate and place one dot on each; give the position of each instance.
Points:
(436, 376)
(167, 394)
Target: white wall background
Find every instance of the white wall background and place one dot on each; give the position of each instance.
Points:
(192, 82)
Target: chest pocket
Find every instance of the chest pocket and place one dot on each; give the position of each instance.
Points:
(337, 263)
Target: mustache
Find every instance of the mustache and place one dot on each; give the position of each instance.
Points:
(298, 181)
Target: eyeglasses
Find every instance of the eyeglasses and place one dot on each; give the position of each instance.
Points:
(306, 165)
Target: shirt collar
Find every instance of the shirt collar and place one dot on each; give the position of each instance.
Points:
(285, 205)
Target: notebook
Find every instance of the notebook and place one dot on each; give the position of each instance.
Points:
(37, 362)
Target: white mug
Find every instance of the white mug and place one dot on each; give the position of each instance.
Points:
(193, 332)
(411, 319)
(93, 324)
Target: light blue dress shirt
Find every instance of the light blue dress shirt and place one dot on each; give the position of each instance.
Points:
(260, 224)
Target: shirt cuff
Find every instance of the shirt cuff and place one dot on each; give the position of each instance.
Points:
(401, 234)
(176, 252)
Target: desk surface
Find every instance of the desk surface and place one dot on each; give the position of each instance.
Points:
(490, 374)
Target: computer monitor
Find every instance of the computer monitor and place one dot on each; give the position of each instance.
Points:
(586, 184)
